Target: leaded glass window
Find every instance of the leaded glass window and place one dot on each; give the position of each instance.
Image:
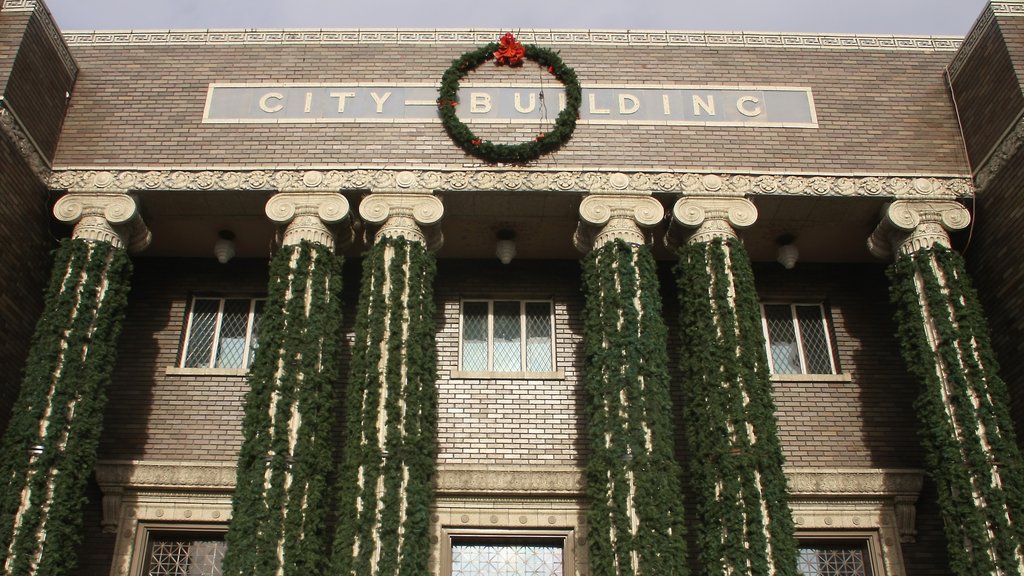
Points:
(507, 557)
(507, 336)
(798, 339)
(833, 559)
(222, 332)
(184, 555)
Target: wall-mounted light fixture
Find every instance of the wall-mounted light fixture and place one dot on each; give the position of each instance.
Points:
(788, 253)
(224, 247)
(505, 250)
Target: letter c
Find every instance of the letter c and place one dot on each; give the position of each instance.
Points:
(265, 102)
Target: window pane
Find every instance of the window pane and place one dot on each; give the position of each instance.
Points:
(185, 557)
(782, 339)
(840, 559)
(538, 336)
(507, 353)
(474, 336)
(512, 559)
(200, 338)
(233, 326)
(254, 339)
(812, 333)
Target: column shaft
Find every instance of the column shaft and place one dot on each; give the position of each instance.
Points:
(744, 524)
(963, 405)
(50, 446)
(391, 433)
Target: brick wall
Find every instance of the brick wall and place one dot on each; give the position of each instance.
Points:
(26, 261)
(879, 110)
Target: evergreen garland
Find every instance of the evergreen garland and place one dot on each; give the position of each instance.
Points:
(387, 480)
(488, 151)
(965, 424)
(281, 497)
(632, 476)
(744, 524)
(69, 367)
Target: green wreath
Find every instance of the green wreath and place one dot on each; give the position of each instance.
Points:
(511, 53)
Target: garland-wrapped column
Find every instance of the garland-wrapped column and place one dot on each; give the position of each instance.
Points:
(50, 446)
(744, 524)
(633, 481)
(282, 494)
(391, 429)
(962, 406)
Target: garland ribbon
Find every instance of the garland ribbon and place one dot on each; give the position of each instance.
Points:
(49, 450)
(391, 428)
(963, 410)
(744, 524)
(281, 499)
(511, 53)
(635, 519)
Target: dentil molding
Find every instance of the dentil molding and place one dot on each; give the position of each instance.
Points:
(485, 180)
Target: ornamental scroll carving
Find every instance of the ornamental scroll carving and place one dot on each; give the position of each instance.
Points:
(110, 217)
(712, 216)
(309, 216)
(908, 226)
(404, 213)
(512, 180)
(607, 217)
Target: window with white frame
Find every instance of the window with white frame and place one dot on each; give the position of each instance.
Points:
(798, 340)
(222, 332)
(507, 336)
(507, 556)
(834, 558)
(173, 553)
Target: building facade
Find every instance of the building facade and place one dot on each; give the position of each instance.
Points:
(297, 303)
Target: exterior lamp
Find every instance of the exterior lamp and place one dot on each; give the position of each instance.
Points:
(505, 250)
(788, 253)
(224, 247)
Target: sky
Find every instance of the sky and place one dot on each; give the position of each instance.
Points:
(898, 17)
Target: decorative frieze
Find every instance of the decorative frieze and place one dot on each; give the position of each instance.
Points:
(308, 216)
(109, 217)
(15, 133)
(609, 217)
(712, 216)
(540, 37)
(908, 226)
(487, 180)
(1002, 153)
(407, 214)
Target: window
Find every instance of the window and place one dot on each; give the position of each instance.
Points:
(507, 557)
(798, 339)
(836, 558)
(506, 336)
(222, 332)
(184, 554)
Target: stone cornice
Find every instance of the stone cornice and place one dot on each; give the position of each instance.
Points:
(546, 37)
(12, 129)
(497, 179)
(1001, 154)
(159, 475)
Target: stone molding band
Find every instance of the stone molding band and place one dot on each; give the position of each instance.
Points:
(12, 129)
(517, 180)
(544, 37)
(909, 226)
(111, 217)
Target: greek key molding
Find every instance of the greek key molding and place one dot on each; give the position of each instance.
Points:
(972, 39)
(543, 37)
(12, 129)
(19, 5)
(52, 31)
(487, 180)
(1001, 154)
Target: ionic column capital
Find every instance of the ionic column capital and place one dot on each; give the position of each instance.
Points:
(606, 217)
(911, 225)
(104, 217)
(405, 213)
(712, 216)
(308, 216)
